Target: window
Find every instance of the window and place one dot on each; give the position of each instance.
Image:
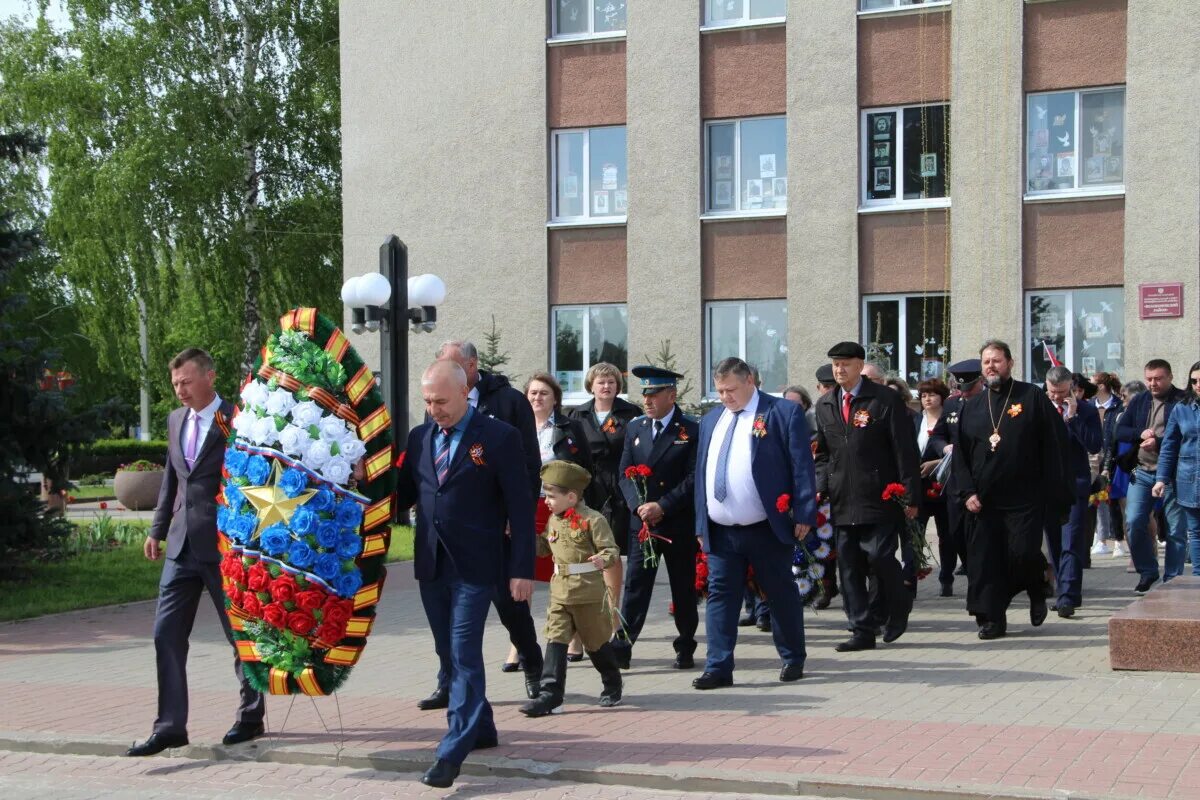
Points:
(905, 155)
(1082, 329)
(1075, 141)
(743, 12)
(890, 5)
(908, 335)
(590, 176)
(747, 165)
(587, 335)
(580, 19)
(756, 332)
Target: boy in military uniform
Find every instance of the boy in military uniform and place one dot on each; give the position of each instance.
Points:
(582, 545)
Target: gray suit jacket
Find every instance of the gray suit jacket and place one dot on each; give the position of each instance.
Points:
(187, 501)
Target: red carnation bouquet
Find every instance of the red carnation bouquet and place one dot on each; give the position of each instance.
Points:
(639, 473)
(916, 533)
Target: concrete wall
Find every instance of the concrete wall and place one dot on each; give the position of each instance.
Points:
(985, 185)
(663, 234)
(444, 147)
(1162, 173)
(822, 227)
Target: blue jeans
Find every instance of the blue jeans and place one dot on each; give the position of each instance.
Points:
(1139, 504)
(457, 611)
(731, 550)
(1192, 517)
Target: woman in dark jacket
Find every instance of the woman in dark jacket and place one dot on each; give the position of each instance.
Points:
(603, 419)
(1108, 403)
(932, 439)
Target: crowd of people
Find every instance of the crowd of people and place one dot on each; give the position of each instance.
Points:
(1024, 484)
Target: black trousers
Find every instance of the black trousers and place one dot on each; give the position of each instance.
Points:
(871, 549)
(184, 581)
(948, 545)
(1004, 558)
(680, 559)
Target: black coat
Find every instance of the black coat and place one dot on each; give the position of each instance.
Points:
(500, 400)
(855, 460)
(606, 443)
(938, 439)
(672, 461)
(570, 444)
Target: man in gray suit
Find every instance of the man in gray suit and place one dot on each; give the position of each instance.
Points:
(186, 516)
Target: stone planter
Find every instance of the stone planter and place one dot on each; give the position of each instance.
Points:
(137, 491)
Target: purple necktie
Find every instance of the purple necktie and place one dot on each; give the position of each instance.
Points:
(193, 434)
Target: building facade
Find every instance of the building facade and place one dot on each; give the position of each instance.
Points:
(766, 177)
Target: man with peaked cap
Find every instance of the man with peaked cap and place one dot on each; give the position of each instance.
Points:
(664, 442)
(967, 381)
(825, 385)
(864, 444)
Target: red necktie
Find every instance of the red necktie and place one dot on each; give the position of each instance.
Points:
(846, 399)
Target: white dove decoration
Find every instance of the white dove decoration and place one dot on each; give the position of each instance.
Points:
(1087, 345)
(942, 350)
(1065, 139)
(919, 350)
(1106, 307)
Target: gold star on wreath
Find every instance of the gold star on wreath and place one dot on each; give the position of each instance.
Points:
(272, 503)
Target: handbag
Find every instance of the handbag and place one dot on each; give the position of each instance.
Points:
(941, 473)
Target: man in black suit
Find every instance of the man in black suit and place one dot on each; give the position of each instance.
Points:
(493, 396)
(968, 376)
(664, 440)
(186, 516)
(865, 442)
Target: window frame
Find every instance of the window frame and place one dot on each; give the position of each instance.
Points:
(590, 35)
(1068, 304)
(897, 8)
(585, 345)
(708, 393)
(708, 211)
(746, 20)
(1106, 190)
(866, 204)
(901, 300)
(585, 182)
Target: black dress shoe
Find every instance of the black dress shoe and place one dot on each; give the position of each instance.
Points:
(894, 631)
(960, 571)
(1065, 610)
(243, 732)
(764, 624)
(510, 666)
(855, 643)
(1038, 612)
(486, 743)
(684, 661)
(947, 590)
(746, 621)
(992, 630)
(574, 657)
(157, 743)
(439, 699)
(711, 680)
(441, 775)
(1144, 585)
(791, 672)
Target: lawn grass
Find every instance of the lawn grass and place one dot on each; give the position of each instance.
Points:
(84, 493)
(105, 577)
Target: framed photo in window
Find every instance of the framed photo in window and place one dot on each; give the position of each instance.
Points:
(780, 188)
(1113, 351)
(1088, 365)
(609, 177)
(754, 189)
(766, 165)
(1041, 139)
(929, 165)
(600, 202)
(1112, 167)
(621, 201)
(1093, 169)
(723, 193)
(882, 179)
(1064, 165)
(1103, 145)
(881, 151)
(1094, 327)
(723, 168)
(1043, 168)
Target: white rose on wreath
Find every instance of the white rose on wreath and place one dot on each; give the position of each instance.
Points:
(332, 428)
(352, 449)
(243, 423)
(264, 432)
(306, 413)
(317, 455)
(254, 394)
(336, 469)
(280, 402)
(294, 440)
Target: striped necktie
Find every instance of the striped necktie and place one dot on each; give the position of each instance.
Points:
(441, 455)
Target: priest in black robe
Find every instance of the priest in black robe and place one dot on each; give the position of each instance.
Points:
(1010, 472)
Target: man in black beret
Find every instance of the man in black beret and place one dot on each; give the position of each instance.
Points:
(864, 443)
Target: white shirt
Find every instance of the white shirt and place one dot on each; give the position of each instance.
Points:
(665, 422)
(1109, 403)
(742, 504)
(546, 439)
(207, 415)
(473, 397)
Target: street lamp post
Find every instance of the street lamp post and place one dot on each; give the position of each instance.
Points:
(412, 307)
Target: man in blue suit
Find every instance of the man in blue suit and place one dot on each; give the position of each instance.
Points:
(1068, 543)
(753, 450)
(465, 473)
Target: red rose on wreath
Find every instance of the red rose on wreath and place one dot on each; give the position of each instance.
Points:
(258, 578)
(283, 588)
(894, 491)
(310, 600)
(338, 611)
(300, 622)
(232, 568)
(251, 604)
(233, 593)
(783, 503)
(329, 632)
(275, 614)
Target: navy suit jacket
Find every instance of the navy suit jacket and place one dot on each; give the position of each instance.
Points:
(781, 462)
(672, 462)
(469, 512)
(1084, 436)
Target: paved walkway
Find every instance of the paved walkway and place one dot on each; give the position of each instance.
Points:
(938, 712)
(87, 510)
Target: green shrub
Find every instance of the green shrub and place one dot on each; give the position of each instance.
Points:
(93, 479)
(105, 455)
